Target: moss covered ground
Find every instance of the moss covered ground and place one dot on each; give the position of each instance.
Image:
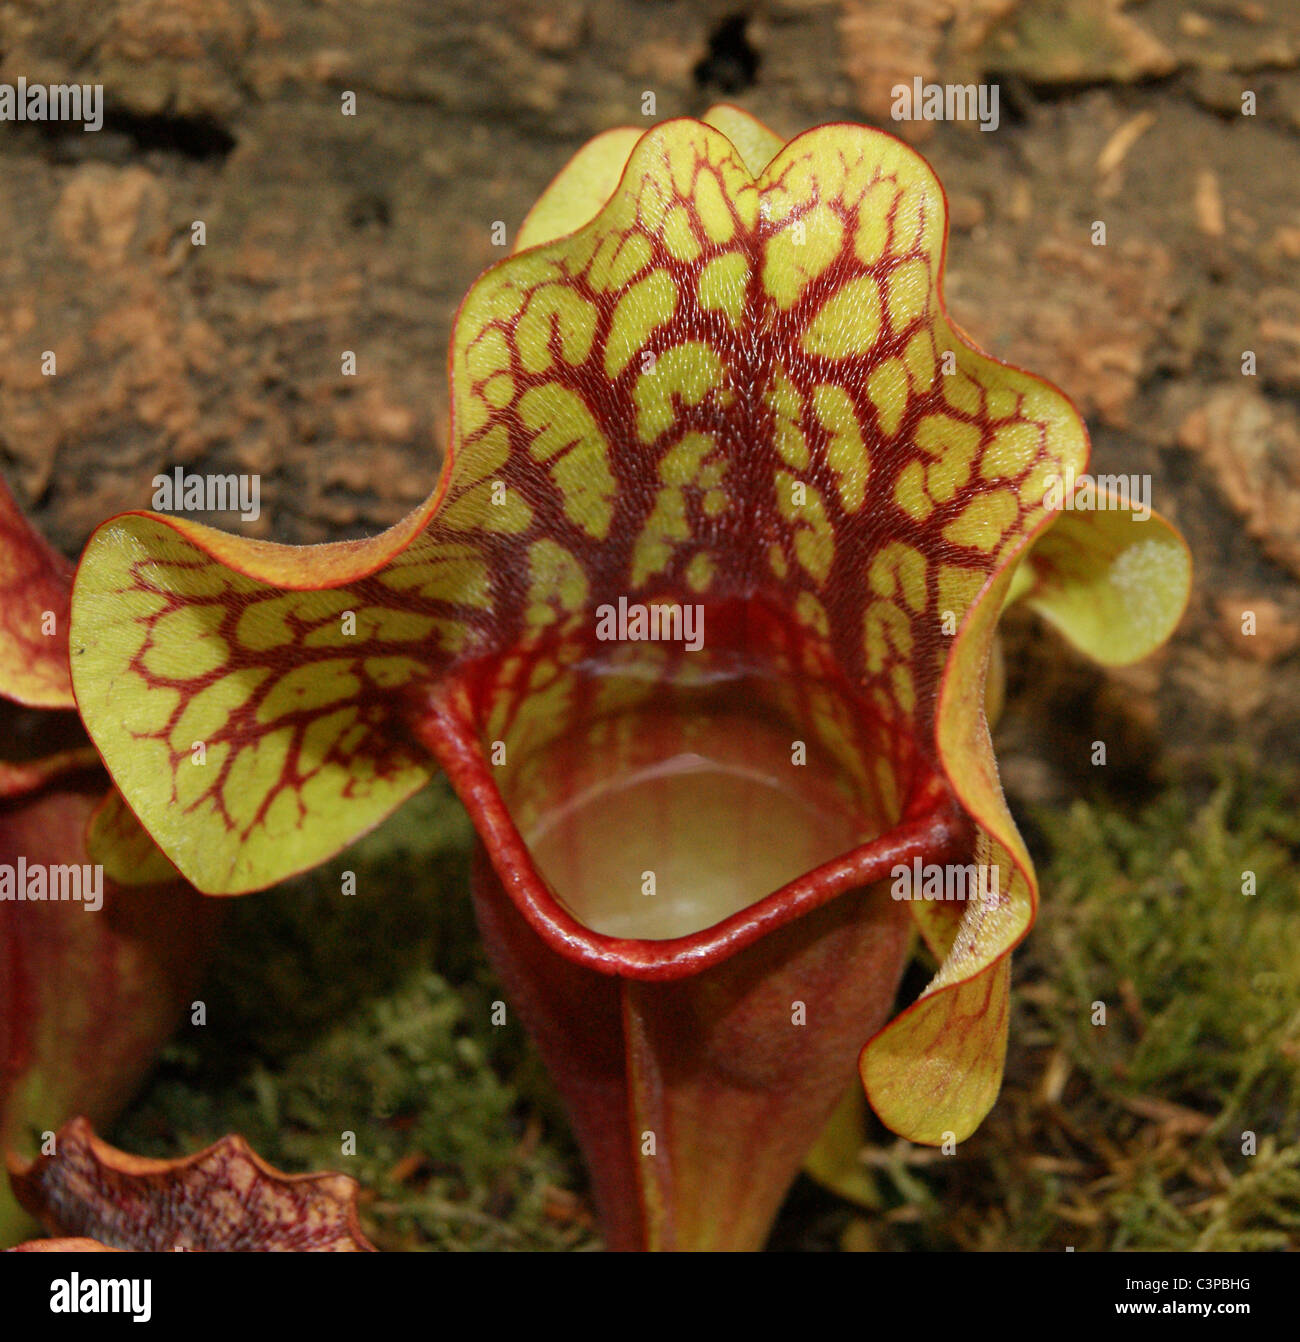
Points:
(1175, 1124)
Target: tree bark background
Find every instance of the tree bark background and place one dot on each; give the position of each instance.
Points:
(328, 232)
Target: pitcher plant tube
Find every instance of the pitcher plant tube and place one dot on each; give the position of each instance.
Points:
(101, 943)
(696, 620)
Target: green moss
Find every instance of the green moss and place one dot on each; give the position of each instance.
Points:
(371, 1014)
(325, 1016)
(1198, 1062)
(1257, 1208)
(1201, 982)
(1133, 1134)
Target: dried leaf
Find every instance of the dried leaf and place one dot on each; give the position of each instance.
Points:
(223, 1199)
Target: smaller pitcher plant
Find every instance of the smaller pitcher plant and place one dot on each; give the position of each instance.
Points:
(697, 621)
(96, 961)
